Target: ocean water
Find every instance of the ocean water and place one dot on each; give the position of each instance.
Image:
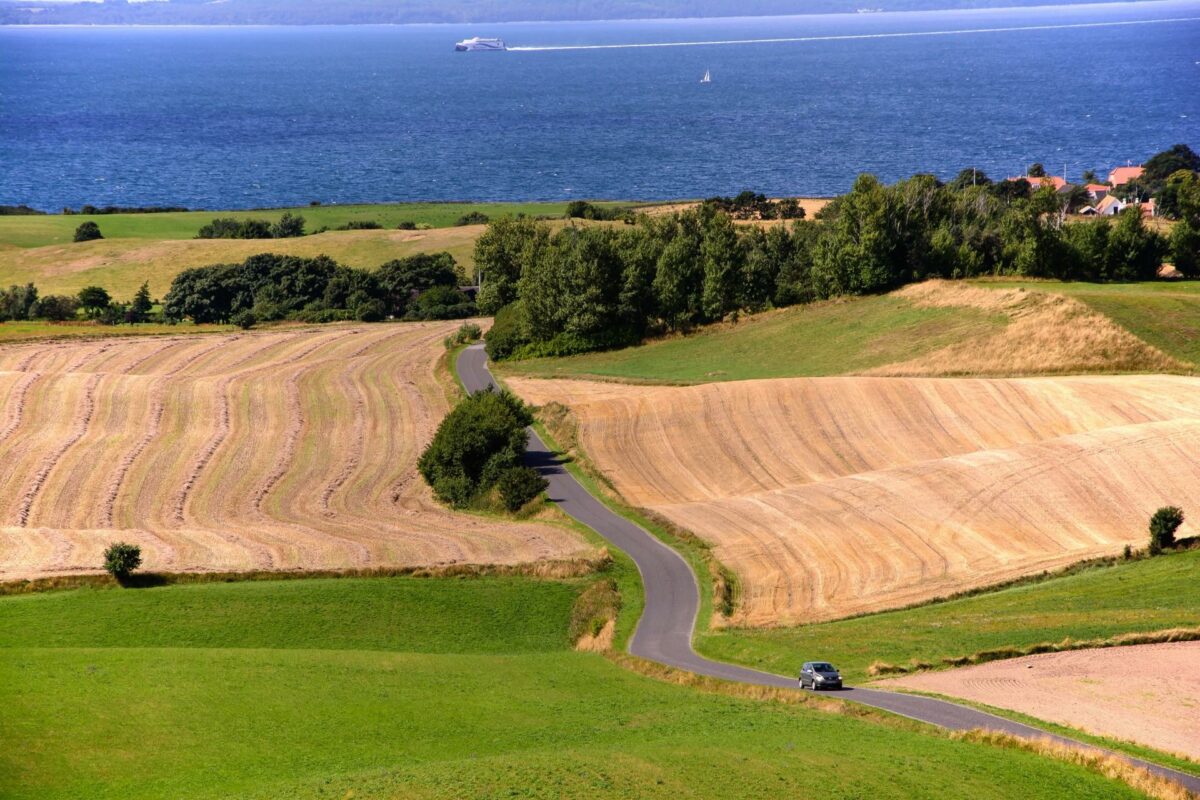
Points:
(269, 116)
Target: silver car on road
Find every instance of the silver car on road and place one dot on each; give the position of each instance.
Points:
(819, 675)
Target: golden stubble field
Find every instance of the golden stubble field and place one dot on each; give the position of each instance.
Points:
(275, 450)
(837, 496)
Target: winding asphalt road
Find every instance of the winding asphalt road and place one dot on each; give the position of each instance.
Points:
(664, 633)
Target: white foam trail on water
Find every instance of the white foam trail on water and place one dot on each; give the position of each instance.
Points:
(852, 36)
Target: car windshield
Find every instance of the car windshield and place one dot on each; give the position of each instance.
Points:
(824, 668)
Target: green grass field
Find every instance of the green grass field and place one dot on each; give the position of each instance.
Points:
(828, 338)
(1148, 595)
(42, 230)
(426, 688)
(1165, 314)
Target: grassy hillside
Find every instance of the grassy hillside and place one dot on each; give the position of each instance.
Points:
(1153, 594)
(829, 338)
(156, 247)
(1165, 314)
(418, 688)
(935, 328)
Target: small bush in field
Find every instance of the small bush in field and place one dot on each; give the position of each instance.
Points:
(519, 485)
(1163, 525)
(121, 559)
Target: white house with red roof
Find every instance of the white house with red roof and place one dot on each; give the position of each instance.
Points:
(1037, 183)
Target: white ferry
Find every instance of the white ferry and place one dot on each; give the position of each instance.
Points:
(476, 43)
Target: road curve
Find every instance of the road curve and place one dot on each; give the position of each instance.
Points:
(664, 633)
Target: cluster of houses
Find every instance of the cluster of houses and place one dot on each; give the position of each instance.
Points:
(1102, 202)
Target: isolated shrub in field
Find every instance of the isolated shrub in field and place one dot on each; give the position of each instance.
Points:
(87, 232)
(121, 559)
(244, 320)
(519, 485)
(483, 436)
(1163, 525)
(473, 218)
(407, 225)
(289, 226)
(468, 332)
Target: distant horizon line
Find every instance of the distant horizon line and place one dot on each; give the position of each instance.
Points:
(856, 13)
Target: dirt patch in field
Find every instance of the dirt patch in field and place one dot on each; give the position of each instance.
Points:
(276, 450)
(835, 496)
(1148, 694)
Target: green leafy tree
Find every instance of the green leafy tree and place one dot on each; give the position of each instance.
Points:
(88, 232)
(679, 276)
(1134, 251)
(1162, 165)
(289, 226)
(122, 559)
(483, 436)
(1036, 170)
(404, 279)
(1089, 176)
(94, 300)
(1163, 525)
(18, 302)
(724, 261)
(244, 319)
(1185, 248)
(501, 252)
(519, 485)
(56, 307)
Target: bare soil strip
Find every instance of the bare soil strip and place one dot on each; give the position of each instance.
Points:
(836, 496)
(279, 450)
(1148, 693)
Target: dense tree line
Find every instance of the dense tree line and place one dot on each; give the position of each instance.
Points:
(273, 287)
(24, 303)
(593, 287)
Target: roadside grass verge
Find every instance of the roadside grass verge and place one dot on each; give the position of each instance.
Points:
(827, 338)
(392, 687)
(1166, 759)
(1108, 765)
(1102, 602)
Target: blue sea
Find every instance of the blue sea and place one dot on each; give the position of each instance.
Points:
(271, 116)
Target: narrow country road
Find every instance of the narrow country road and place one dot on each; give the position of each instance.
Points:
(664, 633)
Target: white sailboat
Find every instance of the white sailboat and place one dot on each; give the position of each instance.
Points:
(707, 77)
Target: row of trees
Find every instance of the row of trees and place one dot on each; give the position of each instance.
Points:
(272, 287)
(594, 287)
(24, 303)
(289, 226)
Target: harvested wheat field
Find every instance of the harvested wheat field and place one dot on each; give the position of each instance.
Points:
(1147, 693)
(837, 496)
(283, 450)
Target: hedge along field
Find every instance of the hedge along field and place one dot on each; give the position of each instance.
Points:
(426, 688)
(281, 450)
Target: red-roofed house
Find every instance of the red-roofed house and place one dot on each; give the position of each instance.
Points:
(1123, 175)
(1037, 183)
(1097, 191)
